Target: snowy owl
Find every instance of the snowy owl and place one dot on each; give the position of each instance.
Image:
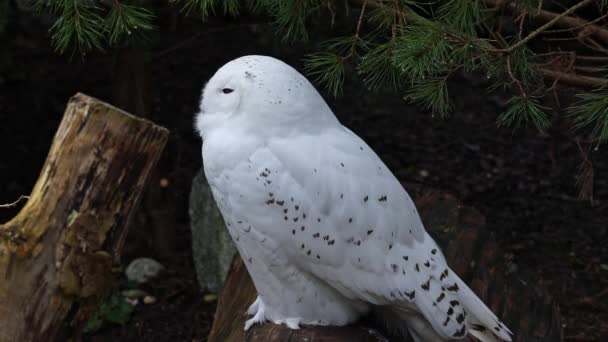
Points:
(325, 229)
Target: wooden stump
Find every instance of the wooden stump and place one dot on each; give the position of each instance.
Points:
(518, 299)
(58, 251)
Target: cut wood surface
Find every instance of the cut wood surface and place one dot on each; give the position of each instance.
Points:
(56, 254)
(519, 299)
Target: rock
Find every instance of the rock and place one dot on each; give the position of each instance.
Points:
(212, 246)
(149, 300)
(141, 270)
(132, 302)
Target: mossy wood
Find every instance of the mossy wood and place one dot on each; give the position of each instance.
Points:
(518, 299)
(56, 254)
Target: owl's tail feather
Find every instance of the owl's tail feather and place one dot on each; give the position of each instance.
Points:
(482, 322)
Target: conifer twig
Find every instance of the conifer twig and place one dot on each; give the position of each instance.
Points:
(548, 24)
(360, 21)
(10, 205)
(520, 87)
(545, 16)
(574, 79)
(581, 26)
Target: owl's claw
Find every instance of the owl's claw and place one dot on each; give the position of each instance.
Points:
(291, 323)
(257, 310)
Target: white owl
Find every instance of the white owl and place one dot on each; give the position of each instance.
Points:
(326, 230)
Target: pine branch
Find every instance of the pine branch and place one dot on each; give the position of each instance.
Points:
(573, 79)
(462, 15)
(546, 16)
(377, 66)
(326, 69)
(431, 94)
(524, 109)
(125, 20)
(77, 26)
(592, 110)
(547, 25)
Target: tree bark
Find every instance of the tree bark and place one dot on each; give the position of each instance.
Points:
(518, 299)
(56, 254)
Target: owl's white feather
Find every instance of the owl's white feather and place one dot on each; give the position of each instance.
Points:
(325, 229)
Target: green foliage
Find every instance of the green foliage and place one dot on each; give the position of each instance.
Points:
(327, 69)
(114, 309)
(422, 51)
(524, 109)
(414, 46)
(289, 16)
(78, 25)
(377, 66)
(126, 19)
(592, 110)
(431, 94)
(83, 25)
(462, 15)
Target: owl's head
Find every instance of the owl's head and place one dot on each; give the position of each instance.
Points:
(262, 93)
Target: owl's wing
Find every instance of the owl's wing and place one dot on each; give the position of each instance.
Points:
(336, 211)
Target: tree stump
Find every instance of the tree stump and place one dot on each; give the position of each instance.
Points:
(518, 299)
(58, 251)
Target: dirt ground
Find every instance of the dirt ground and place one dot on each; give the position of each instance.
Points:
(522, 181)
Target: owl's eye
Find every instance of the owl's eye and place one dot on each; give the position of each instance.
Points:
(227, 90)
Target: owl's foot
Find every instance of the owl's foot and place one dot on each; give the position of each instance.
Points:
(291, 323)
(257, 310)
(253, 309)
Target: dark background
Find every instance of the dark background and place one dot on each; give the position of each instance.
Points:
(522, 181)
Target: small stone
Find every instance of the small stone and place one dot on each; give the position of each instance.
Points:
(210, 297)
(423, 173)
(141, 270)
(149, 300)
(132, 302)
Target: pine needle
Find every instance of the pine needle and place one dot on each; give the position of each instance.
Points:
(422, 51)
(125, 20)
(462, 15)
(377, 67)
(591, 110)
(77, 26)
(327, 69)
(524, 110)
(432, 94)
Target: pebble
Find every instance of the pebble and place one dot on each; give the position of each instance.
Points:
(149, 300)
(141, 270)
(210, 297)
(132, 302)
